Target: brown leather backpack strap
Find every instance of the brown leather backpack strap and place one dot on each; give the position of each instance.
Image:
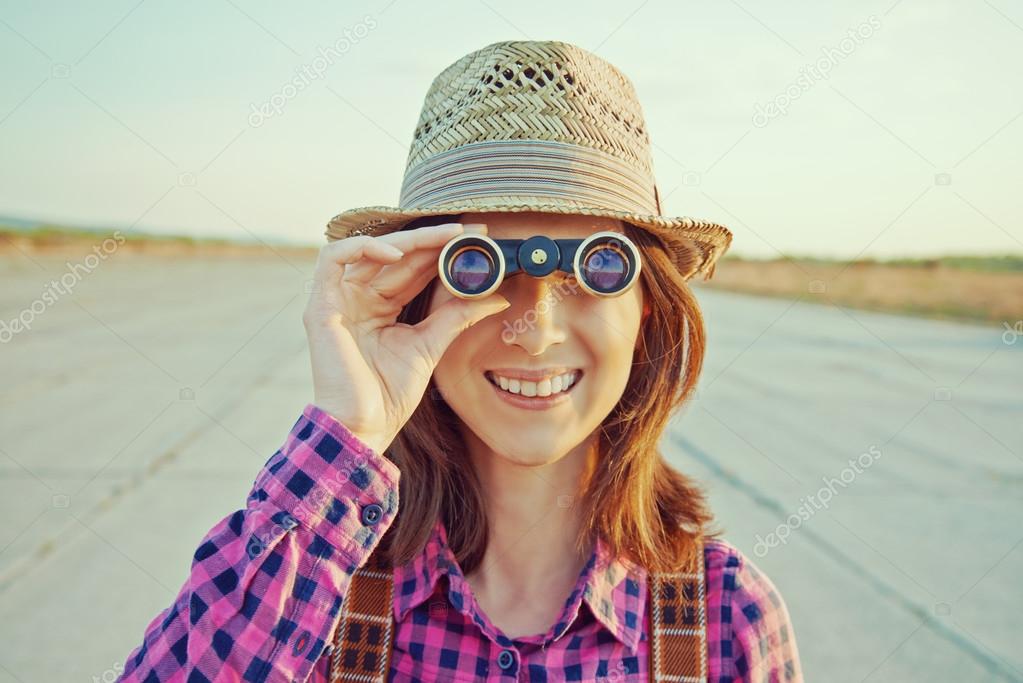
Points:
(362, 641)
(677, 616)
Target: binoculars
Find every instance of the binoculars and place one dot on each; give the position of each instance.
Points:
(604, 264)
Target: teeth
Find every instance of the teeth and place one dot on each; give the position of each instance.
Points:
(545, 387)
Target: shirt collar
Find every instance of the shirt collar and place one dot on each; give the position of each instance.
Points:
(614, 589)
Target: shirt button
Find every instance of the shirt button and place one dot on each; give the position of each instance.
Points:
(506, 659)
(371, 514)
(300, 643)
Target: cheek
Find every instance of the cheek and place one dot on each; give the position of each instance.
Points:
(609, 331)
(615, 323)
(599, 334)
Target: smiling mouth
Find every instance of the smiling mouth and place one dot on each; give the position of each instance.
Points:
(545, 389)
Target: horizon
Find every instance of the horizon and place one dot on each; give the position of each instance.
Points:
(876, 121)
(31, 226)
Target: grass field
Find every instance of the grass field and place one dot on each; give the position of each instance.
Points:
(953, 287)
(978, 289)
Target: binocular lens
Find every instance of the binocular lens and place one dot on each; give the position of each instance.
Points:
(605, 268)
(472, 266)
(472, 269)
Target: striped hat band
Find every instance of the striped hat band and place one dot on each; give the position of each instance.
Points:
(536, 170)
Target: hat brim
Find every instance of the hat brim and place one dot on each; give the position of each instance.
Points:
(694, 245)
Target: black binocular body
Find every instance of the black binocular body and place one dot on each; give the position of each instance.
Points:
(605, 263)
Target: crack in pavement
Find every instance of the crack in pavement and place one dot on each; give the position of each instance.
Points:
(990, 663)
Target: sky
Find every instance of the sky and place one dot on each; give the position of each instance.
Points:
(840, 129)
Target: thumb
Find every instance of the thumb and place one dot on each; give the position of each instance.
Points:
(453, 317)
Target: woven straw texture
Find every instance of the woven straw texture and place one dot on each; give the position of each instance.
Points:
(536, 126)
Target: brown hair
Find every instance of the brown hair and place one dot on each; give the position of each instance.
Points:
(644, 508)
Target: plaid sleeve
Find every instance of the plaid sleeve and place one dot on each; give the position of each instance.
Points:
(763, 642)
(264, 593)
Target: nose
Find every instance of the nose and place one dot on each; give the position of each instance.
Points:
(535, 319)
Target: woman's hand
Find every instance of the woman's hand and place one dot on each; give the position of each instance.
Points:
(370, 372)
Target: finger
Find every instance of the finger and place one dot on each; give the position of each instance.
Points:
(362, 272)
(365, 269)
(452, 318)
(403, 282)
(428, 236)
(415, 286)
(480, 228)
(352, 249)
(335, 258)
(420, 266)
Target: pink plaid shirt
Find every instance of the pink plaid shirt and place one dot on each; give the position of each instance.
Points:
(266, 584)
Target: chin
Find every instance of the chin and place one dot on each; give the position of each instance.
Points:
(527, 450)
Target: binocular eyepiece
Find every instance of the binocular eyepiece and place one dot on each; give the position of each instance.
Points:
(604, 264)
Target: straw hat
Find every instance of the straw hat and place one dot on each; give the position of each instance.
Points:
(547, 126)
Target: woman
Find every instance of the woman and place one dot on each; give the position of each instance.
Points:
(516, 423)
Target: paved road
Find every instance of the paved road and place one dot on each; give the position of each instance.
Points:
(137, 410)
